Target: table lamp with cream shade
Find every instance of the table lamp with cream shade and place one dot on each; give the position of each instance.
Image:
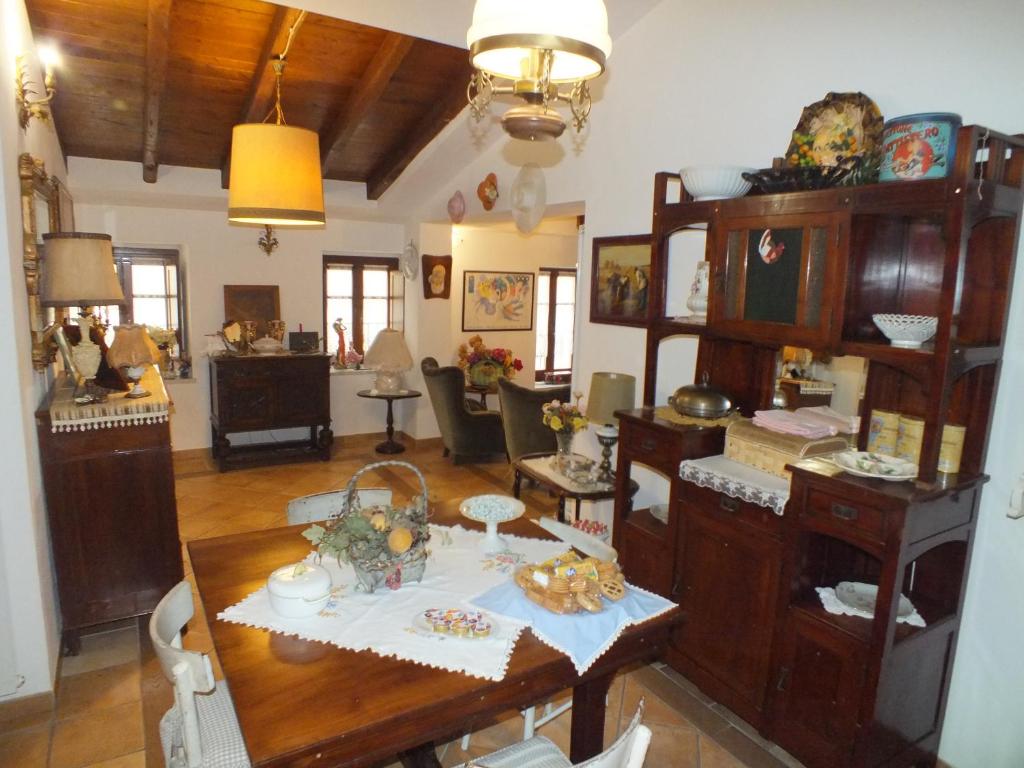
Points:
(390, 356)
(133, 350)
(609, 392)
(78, 271)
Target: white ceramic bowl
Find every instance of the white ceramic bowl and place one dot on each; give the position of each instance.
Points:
(906, 331)
(716, 182)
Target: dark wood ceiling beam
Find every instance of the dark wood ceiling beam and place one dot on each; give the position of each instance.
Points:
(446, 108)
(372, 84)
(157, 34)
(261, 89)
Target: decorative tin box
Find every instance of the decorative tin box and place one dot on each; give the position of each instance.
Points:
(771, 451)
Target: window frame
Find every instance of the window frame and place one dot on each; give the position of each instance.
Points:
(124, 257)
(553, 274)
(355, 338)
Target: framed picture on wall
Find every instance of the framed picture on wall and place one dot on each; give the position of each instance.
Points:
(437, 277)
(252, 302)
(619, 277)
(497, 301)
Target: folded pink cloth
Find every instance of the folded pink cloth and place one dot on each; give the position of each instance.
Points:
(793, 424)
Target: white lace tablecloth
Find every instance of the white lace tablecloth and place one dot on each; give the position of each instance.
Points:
(384, 622)
(737, 480)
(831, 603)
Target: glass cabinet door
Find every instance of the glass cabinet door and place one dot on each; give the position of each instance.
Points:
(775, 278)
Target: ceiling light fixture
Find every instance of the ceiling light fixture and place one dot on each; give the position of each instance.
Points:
(538, 45)
(38, 108)
(275, 169)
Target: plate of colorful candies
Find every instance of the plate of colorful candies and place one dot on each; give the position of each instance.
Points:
(455, 622)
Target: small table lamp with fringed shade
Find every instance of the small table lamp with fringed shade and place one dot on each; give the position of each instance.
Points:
(609, 392)
(133, 350)
(390, 356)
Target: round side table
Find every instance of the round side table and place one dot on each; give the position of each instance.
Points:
(390, 445)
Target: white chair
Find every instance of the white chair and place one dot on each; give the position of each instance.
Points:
(628, 751)
(201, 729)
(320, 506)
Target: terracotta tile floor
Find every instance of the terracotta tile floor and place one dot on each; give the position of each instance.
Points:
(110, 697)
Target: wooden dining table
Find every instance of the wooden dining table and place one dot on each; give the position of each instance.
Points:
(305, 703)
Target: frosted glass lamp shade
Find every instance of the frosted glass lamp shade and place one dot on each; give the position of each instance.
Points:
(132, 347)
(503, 33)
(78, 270)
(609, 392)
(275, 176)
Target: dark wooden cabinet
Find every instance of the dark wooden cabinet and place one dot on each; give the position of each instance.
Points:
(646, 545)
(834, 690)
(258, 393)
(728, 560)
(113, 519)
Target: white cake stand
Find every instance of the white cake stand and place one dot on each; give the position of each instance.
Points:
(492, 509)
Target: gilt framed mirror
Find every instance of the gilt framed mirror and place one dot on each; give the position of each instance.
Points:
(40, 213)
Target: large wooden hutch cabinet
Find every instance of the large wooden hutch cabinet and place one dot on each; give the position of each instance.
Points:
(833, 690)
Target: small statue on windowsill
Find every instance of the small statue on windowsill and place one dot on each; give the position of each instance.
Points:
(339, 328)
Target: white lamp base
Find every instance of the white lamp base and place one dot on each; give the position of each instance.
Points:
(388, 382)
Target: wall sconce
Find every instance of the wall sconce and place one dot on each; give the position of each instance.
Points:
(23, 87)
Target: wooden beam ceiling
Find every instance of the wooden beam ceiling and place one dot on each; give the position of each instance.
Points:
(260, 98)
(447, 105)
(372, 85)
(158, 21)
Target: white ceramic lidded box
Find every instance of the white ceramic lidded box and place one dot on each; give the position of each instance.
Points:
(299, 590)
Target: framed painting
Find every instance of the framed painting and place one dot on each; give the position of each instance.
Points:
(497, 301)
(619, 278)
(437, 277)
(252, 302)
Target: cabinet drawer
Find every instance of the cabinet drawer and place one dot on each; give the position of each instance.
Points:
(844, 516)
(725, 508)
(659, 449)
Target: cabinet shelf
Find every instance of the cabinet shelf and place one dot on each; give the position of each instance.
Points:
(643, 520)
(859, 628)
(677, 326)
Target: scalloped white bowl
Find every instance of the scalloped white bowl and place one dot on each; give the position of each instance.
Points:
(906, 331)
(716, 182)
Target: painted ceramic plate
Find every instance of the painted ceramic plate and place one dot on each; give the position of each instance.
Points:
(410, 261)
(840, 126)
(492, 508)
(863, 596)
(876, 465)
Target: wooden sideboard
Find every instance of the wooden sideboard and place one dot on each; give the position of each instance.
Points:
(836, 691)
(257, 393)
(111, 508)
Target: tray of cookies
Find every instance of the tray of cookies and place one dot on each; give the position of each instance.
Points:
(569, 583)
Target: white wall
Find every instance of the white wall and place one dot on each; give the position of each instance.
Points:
(28, 635)
(215, 253)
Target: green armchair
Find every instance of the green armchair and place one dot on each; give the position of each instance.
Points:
(521, 409)
(467, 435)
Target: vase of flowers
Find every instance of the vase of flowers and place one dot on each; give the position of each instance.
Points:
(165, 340)
(483, 367)
(386, 545)
(565, 420)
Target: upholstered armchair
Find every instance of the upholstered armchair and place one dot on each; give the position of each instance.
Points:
(467, 435)
(521, 410)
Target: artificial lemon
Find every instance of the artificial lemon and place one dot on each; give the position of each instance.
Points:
(379, 521)
(399, 540)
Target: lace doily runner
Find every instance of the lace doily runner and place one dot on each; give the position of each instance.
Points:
(833, 604)
(737, 480)
(583, 637)
(544, 465)
(384, 622)
(118, 411)
(668, 413)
